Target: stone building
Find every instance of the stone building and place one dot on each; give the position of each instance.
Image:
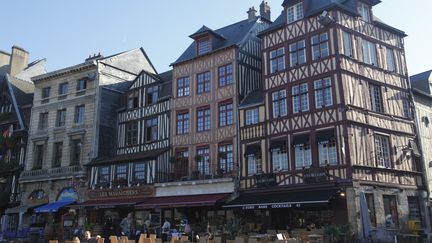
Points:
(73, 120)
(421, 86)
(338, 124)
(16, 99)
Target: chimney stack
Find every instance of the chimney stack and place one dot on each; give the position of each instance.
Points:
(265, 11)
(4, 62)
(251, 13)
(19, 60)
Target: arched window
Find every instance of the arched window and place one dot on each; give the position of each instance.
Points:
(67, 194)
(37, 195)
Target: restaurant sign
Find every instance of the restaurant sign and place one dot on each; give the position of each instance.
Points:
(265, 180)
(272, 206)
(117, 193)
(315, 175)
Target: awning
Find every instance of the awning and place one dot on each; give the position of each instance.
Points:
(52, 207)
(301, 139)
(183, 201)
(293, 199)
(110, 203)
(325, 136)
(278, 144)
(253, 149)
(414, 147)
(20, 209)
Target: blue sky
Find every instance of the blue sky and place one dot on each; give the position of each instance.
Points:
(66, 32)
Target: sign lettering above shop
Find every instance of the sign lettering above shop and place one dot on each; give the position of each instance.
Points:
(315, 175)
(272, 206)
(265, 180)
(145, 191)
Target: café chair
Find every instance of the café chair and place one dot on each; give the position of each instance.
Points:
(113, 239)
(53, 241)
(101, 240)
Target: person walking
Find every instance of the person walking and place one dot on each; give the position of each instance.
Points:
(126, 226)
(166, 227)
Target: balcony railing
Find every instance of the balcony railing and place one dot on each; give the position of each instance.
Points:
(194, 176)
(53, 173)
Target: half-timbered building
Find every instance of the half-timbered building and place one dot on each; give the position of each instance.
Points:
(339, 126)
(210, 78)
(16, 90)
(141, 152)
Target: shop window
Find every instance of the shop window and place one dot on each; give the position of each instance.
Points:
(37, 195)
(414, 213)
(226, 160)
(390, 212)
(371, 207)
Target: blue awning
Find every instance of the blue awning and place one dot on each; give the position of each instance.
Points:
(52, 207)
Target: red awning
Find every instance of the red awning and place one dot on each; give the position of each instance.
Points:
(111, 203)
(183, 201)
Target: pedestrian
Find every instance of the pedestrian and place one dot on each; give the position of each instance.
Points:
(166, 227)
(126, 226)
(208, 235)
(88, 239)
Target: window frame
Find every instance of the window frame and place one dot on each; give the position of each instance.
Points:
(322, 45)
(203, 82)
(152, 95)
(297, 98)
(39, 156)
(228, 162)
(61, 118)
(375, 94)
(79, 114)
(76, 155)
(133, 99)
(81, 85)
(329, 150)
(393, 211)
(100, 175)
(45, 94)
(63, 87)
(297, 51)
(252, 119)
(321, 86)
(43, 121)
(204, 46)
(136, 172)
(364, 11)
(183, 124)
(304, 163)
(131, 132)
(116, 175)
(57, 154)
(382, 157)
(282, 162)
(277, 60)
(203, 164)
(297, 14)
(391, 65)
(151, 127)
(183, 86)
(203, 119)
(347, 44)
(279, 103)
(225, 75)
(369, 52)
(226, 113)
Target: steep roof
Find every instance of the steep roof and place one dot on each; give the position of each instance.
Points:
(204, 30)
(254, 98)
(422, 81)
(233, 34)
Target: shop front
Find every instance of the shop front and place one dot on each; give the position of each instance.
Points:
(105, 208)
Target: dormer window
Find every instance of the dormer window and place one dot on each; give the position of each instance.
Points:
(204, 46)
(364, 11)
(295, 12)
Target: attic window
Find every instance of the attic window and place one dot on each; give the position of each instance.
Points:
(204, 46)
(295, 12)
(364, 11)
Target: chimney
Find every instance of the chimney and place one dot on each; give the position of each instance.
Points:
(265, 11)
(18, 61)
(4, 62)
(94, 57)
(251, 13)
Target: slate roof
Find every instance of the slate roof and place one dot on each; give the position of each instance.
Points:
(254, 98)
(23, 90)
(314, 7)
(204, 29)
(422, 82)
(233, 34)
(165, 91)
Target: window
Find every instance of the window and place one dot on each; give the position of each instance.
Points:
(323, 93)
(203, 82)
(203, 119)
(303, 156)
(79, 114)
(363, 10)
(43, 121)
(376, 98)
(76, 151)
(226, 114)
(183, 122)
(45, 94)
(152, 95)
(347, 44)
(297, 53)
(61, 118)
(390, 60)
(382, 150)
(226, 159)
(252, 116)
(132, 133)
(369, 52)
(300, 98)
(140, 172)
(320, 47)
(121, 172)
(133, 99)
(279, 103)
(371, 207)
(81, 85)
(390, 212)
(277, 60)
(204, 46)
(406, 107)
(414, 209)
(151, 130)
(327, 152)
(203, 161)
(58, 151)
(183, 85)
(225, 75)
(63, 89)
(280, 158)
(295, 13)
(104, 174)
(39, 156)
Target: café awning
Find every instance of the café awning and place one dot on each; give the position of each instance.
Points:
(291, 199)
(110, 203)
(21, 208)
(183, 201)
(52, 207)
